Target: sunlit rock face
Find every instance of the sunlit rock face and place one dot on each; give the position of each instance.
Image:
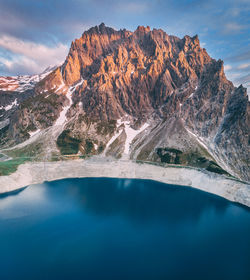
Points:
(142, 95)
(131, 72)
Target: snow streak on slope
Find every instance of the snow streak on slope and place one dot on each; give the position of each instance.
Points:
(113, 138)
(32, 133)
(10, 106)
(192, 94)
(197, 138)
(131, 134)
(62, 118)
(212, 152)
(60, 87)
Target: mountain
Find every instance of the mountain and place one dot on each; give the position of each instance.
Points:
(142, 95)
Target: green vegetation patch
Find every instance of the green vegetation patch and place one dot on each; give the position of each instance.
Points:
(88, 147)
(214, 167)
(194, 159)
(30, 151)
(101, 148)
(67, 144)
(169, 155)
(10, 166)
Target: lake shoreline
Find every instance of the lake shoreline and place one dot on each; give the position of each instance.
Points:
(38, 172)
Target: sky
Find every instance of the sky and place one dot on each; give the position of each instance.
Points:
(37, 33)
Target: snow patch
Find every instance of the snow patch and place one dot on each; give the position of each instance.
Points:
(10, 106)
(60, 87)
(24, 82)
(4, 123)
(62, 118)
(191, 95)
(78, 84)
(197, 138)
(131, 134)
(113, 138)
(32, 133)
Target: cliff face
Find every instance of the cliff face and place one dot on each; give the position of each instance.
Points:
(114, 82)
(131, 73)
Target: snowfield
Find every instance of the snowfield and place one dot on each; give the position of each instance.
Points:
(131, 134)
(38, 172)
(24, 82)
(62, 118)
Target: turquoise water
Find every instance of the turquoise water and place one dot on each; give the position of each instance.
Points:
(98, 228)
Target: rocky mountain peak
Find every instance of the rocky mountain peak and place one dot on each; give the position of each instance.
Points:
(140, 47)
(114, 83)
(142, 29)
(99, 29)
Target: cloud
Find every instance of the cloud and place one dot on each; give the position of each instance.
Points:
(239, 74)
(243, 80)
(20, 65)
(33, 50)
(51, 22)
(27, 57)
(244, 66)
(240, 57)
(239, 78)
(133, 7)
(234, 12)
(232, 28)
(227, 67)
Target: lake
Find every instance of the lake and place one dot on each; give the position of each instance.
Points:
(101, 228)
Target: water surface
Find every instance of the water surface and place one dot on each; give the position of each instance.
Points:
(98, 228)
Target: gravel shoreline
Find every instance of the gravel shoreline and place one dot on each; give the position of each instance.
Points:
(39, 172)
